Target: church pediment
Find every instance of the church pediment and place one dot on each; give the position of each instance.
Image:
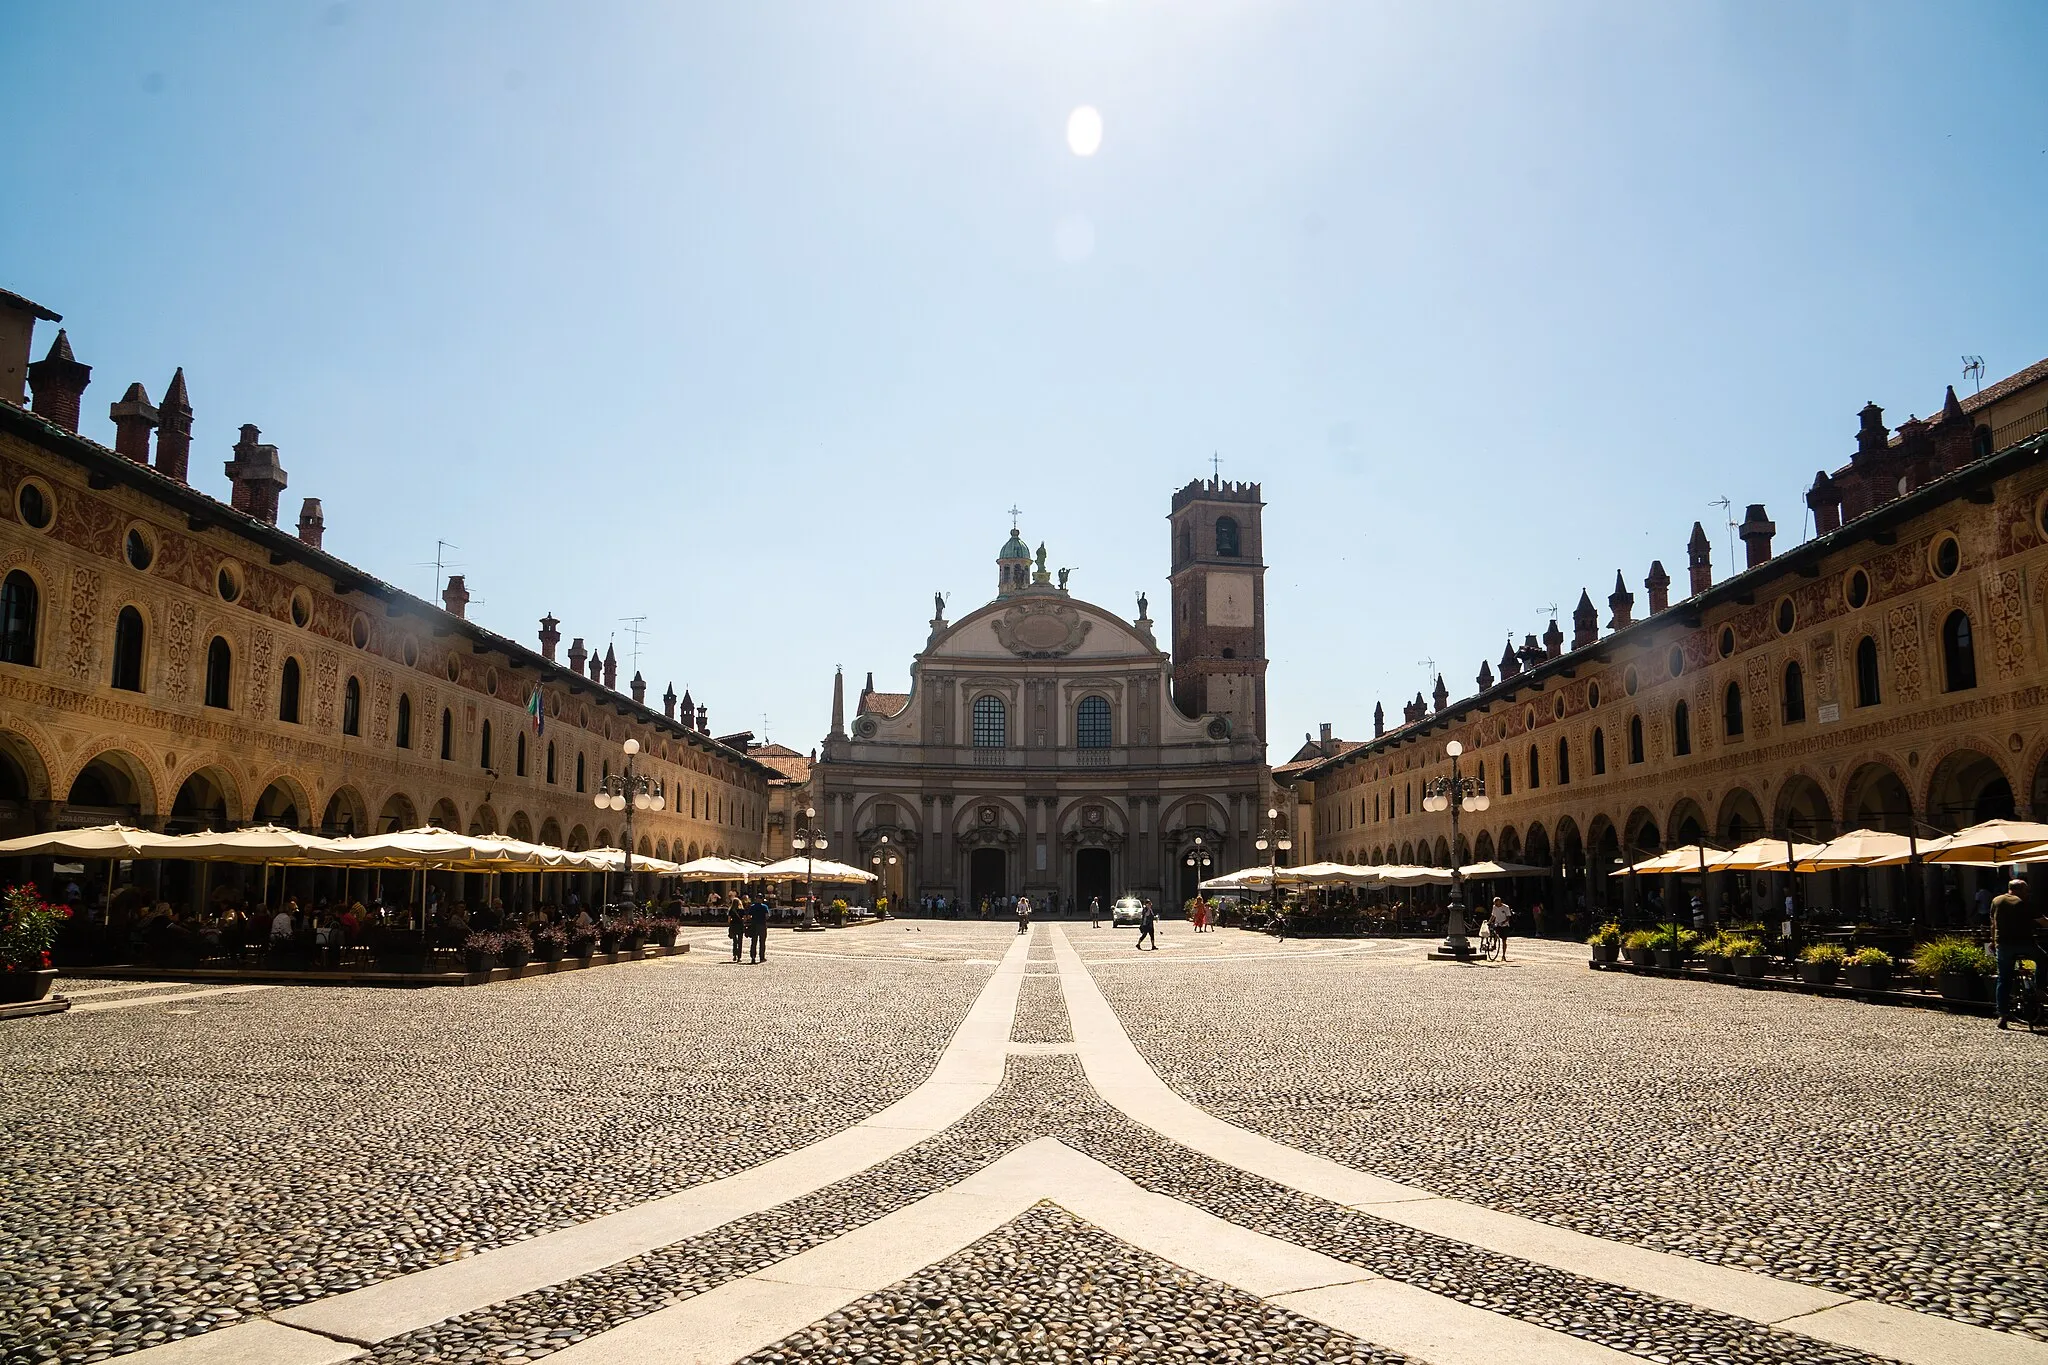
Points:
(1042, 630)
(1042, 626)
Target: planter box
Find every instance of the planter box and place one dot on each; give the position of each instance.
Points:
(1819, 973)
(1751, 968)
(515, 958)
(478, 963)
(1868, 978)
(1670, 959)
(18, 988)
(1605, 952)
(1964, 988)
(1641, 957)
(1720, 966)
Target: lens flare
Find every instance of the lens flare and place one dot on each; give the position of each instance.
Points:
(1084, 131)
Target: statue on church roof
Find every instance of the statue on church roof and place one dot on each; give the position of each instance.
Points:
(1041, 576)
(1063, 579)
(1143, 606)
(938, 605)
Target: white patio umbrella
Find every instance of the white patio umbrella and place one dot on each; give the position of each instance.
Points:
(614, 860)
(1399, 875)
(257, 844)
(1989, 844)
(1334, 874)
(817, 869)
(1254, 877)
(1859, 848)
(718, 869)
(98, 841)
(1762, 855)
(1485, 870)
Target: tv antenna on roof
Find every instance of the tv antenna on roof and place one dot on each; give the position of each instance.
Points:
(633, 626)
(441, 565)
(1973, 370)
(1728, 511)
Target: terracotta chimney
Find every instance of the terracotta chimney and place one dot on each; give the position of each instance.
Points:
(257, 475)
(58, 382)
(703, 720)
(1621, 603)
(611, 669)
(1873, 439)
(1585, 622)
(312, 524)
(1756, 532)
(576, 655)
(1485, 678)
(1328, 745)
(1699, 558)
(668, 702)
(455, 596)
(639, 685)
(1440, 694)
(1553, 640)
(1510, 662)
(1531, 652)
(134, 418)
(174, 439)
(1379, 720)
(550, 636)
(1659, 586)
(1954, 442)
(1826, 501)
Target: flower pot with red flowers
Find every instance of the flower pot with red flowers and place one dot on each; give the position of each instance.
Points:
(480, 953)
(28, 928)
(551, 943)
(515, 949)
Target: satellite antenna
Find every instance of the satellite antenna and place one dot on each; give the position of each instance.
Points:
(1973, 370)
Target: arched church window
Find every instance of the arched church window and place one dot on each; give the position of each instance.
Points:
(128, 650)
(1091, 723)
(1958, 655)
(1226, 537)
(991, 723)
(18, 612)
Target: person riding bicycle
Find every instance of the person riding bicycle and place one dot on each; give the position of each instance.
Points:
(2014, 937)
(1498, 918)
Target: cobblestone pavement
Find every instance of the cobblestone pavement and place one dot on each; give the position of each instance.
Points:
(179, 1183)
(1890, 1153)
(171, 1168)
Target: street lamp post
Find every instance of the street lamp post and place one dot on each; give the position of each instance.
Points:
(1272, 841)
(882, 859)
(1455, 793)
(808, 840)
(629, 792)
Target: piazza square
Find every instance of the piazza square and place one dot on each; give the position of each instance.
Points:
(497, 864)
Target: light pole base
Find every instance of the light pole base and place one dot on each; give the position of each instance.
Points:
(1449, 951)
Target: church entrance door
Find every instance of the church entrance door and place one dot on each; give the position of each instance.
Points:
(1092, 879)
(987, 876)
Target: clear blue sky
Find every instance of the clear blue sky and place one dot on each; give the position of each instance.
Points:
(752, 318)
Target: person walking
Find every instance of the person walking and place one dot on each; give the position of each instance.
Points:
(1200, 913)
(1148, 927)
(757, 930)
(2013, 938)
(1095, 912)
(1501, 914)
(736, 926)
(1023, 914)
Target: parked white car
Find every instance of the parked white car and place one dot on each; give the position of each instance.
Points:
(1127, 910)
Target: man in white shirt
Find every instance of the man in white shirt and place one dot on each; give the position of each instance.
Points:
(1023, 914)
(1499, 917)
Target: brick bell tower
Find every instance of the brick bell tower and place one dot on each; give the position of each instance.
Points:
(1219, 604)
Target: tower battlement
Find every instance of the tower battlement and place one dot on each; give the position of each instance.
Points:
(1217, 490)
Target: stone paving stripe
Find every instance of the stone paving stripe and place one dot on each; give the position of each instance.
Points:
(1041, 1049)
(1121, 1076)
(968, 1072)
(255, 1342)
(1419, 1324)
(95, 1006)
(124, 988)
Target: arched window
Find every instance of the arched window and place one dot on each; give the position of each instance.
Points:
(1187, 544)
(1091, 723)
(1867, 691)
(288, 692)
(579, 784)
(1958, 656)
(1507, 774)
(1635, 739)
(1408, 799)
(128, 650)
(1535, 771)
(447, 733)
(352, 708)
(1599, 752)
(1731, 711)
(1795, 693)
(404, 721)
(483, 750)
(1564, 762)
(220, 672)
(991, 723)
(551, 761)
(1681, 729)
(1226, 537)
(519, 753)
(19, 603)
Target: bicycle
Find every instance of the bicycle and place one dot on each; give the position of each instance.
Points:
(2029, 1007)
(1490, 945)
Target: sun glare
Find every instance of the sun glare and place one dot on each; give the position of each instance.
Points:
(1084, 130)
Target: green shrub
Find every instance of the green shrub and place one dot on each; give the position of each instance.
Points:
(1717, 946)
(1870, 957)
(1825, 952)
(1737, 946)
(1607, 935)
(1685, 941)
(1951, 955)
(1639, 939)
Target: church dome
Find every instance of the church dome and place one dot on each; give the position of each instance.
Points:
(1014, 547)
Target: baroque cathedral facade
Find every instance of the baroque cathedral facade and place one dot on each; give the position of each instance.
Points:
(1050, 747)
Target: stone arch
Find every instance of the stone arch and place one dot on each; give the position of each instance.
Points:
(1740, 818)
(1876, 797)
(484, 819)
(1440, 854)
(1194, 811)
(1379, 856)
(1407, 854)
(579, 839)
(694, 854)
(445, 815)
(1603, 854)
(397, 812)
(967, 813)
(1570, 844)
(645, 848)
(1510, 845)
(346, 812)
(1641, 834)
(520, 826)
(661, 849)
(32, 764)
(283, 801)
(116, 781)
(1968, 786)
(906, 808)
(1687, 822)
(206, 797)
(1482, 848)
(1536, 847)
(551, 832)
(1801, 807)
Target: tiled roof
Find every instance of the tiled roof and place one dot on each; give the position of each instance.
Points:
(787, 761)
(1342, 747)
(2011, 384)
(14, 300)
(883, 703)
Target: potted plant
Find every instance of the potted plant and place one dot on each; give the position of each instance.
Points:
(1673, 945)
(515, 948)
(480, 953)
(1716, 955)
(1956, 966)
(1639, 947)
(583, 943)
(28, 928)
(839, 913)
(1869, 969)
(551, 943)
(1605, 942)
(1821, 963)
(1746, 956)
(665, 930)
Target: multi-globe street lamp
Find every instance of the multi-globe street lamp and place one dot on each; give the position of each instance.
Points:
(1455, 793)
(629, 792)
(1198, 857)
(808, 840)
(1272, 841)
(884, 857)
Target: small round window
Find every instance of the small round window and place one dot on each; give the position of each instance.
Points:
(1856, 591)
(491, 681)
(302, 607)
(1788, 616)
(409, 651)
(1557, 707)
(1948, 557)
(1529, 718)
(454, 669)
(359, 631)
(36, 504)
(1674, 662)
(1629, 680)
(140, 550)
(1592, 695)
(1727, 642)
(227, 581)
